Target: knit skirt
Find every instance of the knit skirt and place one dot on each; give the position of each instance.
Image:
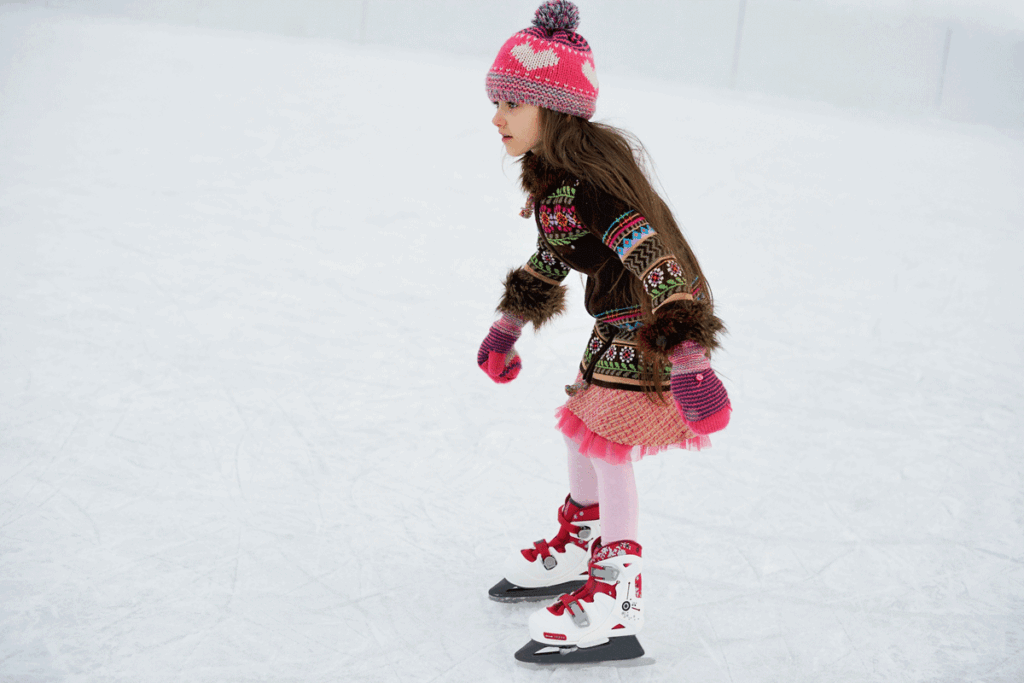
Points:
(619, 426)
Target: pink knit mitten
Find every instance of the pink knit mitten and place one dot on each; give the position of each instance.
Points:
(497, 355)
(700, 395)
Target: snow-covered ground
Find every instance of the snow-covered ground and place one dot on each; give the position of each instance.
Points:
(243, 437)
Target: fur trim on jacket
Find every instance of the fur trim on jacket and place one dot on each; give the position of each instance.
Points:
(678, 322)
(537, 177)
(531, 299)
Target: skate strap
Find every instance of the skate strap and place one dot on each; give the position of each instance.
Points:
(585, 593)
(564, 537)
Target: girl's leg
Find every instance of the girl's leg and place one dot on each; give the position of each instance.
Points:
(620, 505)
(593, 480)
(554, 567)
(582, 477)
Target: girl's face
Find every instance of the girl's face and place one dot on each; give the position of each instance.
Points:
(519, 125)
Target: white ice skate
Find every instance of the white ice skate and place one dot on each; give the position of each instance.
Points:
(552, 568)
(598, 622)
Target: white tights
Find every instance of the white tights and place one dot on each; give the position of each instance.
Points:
(592, 480)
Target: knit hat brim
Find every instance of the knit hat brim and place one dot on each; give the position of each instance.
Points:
(511, 88)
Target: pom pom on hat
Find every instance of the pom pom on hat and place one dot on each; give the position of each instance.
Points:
(557, 15)
(548, 64)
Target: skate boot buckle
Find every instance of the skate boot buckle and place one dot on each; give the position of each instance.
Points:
(584, 533)
(550, 562)
(579, 617)
(605, 574)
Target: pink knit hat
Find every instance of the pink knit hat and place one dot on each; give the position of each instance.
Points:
(548, 64)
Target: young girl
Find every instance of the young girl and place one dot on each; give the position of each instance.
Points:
(644, 384)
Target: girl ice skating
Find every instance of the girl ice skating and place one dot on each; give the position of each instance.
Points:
(644, 384)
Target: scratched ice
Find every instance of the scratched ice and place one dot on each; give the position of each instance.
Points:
(242, 435)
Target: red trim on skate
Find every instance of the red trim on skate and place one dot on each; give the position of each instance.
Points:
(555, 636)
(585, 593)
(616, 549)
(569, 517)
(616, 628)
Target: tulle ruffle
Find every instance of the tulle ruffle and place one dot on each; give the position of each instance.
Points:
(594, 445)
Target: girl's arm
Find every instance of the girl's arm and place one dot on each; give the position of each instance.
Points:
(684, 328)
(534, 292)
(681, 314)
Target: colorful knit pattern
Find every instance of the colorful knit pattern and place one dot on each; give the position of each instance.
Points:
(557, 218)
(621, 363)
(626, 232)
(560, 225)
(701, 396)
(629, 318)
(632, 238)
(548, 65)
(580, 230)
(697, 289)
(497, 355)
(546, 266)
(569, 39)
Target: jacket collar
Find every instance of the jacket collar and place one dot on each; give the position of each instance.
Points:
(538, 177)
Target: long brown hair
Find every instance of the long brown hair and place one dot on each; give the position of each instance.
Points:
(615, 161)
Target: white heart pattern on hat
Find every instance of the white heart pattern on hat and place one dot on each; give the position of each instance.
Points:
(534, 60)
(590, 73)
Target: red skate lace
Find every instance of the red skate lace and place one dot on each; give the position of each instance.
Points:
(562, 539)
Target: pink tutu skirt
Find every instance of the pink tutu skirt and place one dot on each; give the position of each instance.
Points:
(619, 426)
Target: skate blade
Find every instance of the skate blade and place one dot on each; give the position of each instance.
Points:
(616, 649)
(503, 591)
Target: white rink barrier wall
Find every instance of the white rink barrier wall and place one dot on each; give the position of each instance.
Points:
(957, 59)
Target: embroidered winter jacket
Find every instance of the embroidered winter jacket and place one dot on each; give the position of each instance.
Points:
(584, 229)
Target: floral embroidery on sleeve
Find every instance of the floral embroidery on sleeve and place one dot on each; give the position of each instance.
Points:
(546, 266)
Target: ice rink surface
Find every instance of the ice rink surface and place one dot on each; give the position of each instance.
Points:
(243, 437)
